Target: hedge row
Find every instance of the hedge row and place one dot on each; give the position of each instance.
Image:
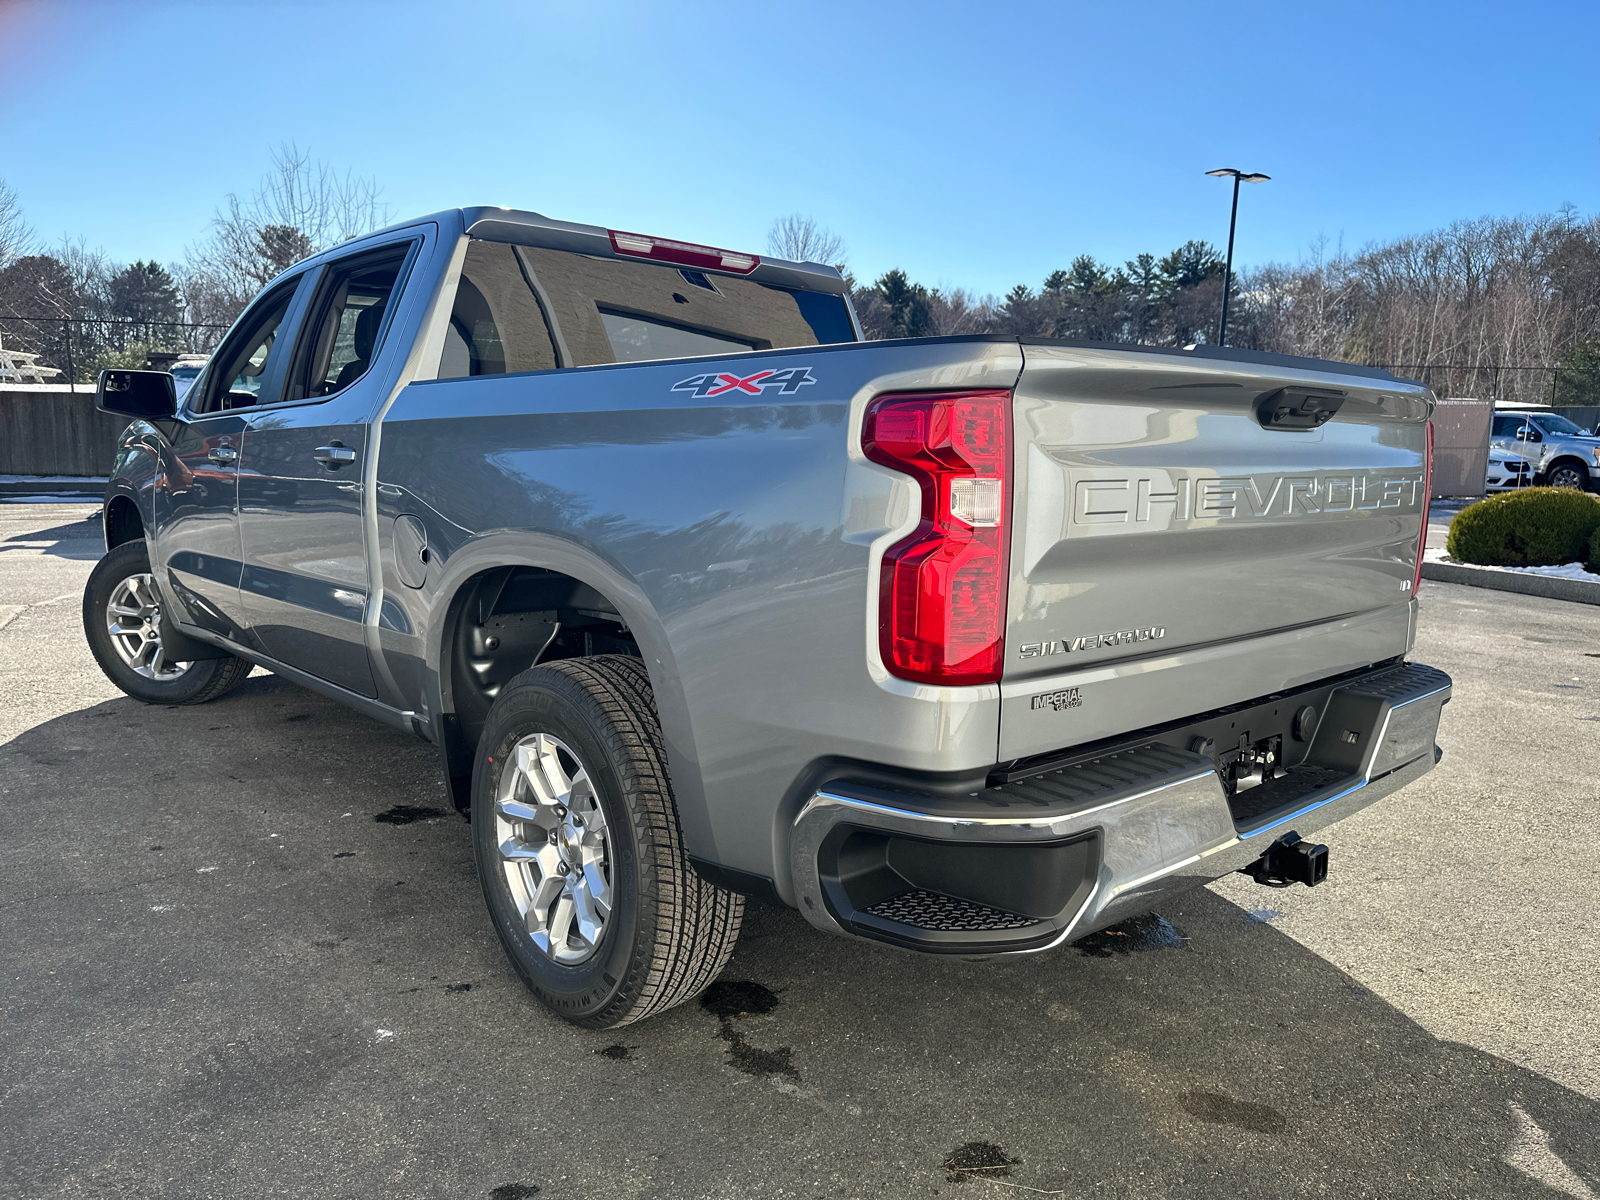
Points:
(1535, 527)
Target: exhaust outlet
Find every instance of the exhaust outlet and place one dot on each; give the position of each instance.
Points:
(1290, 860)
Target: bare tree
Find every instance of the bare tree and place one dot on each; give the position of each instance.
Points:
(801, 239)
(300, 207)
(16, 238)
(1478, 308)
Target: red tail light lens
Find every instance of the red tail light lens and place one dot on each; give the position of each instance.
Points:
(1427, 497)
(943, 590)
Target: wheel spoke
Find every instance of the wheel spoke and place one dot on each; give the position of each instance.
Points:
(551, 773)
(597, 889)
(516, 810)
(588, 918)
(562, 914)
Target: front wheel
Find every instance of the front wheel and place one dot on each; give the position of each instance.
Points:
(579, 852)
(1566, 475)
(122, 622)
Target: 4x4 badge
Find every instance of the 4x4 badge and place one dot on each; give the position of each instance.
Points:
(788, 382)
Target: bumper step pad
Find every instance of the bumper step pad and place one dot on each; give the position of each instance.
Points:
(947, 914)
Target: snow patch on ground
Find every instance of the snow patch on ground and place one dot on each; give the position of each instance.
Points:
(1565, 571)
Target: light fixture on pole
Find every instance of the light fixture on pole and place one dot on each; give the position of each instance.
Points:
(1227, 272)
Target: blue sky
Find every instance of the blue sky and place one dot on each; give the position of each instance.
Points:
(971, 144)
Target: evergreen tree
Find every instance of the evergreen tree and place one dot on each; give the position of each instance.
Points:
(145, 293)
(910, 314)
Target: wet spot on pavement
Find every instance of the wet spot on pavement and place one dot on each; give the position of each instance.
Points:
(618, 1052)
(345, 854)
(153, 849)
(298, 717)
(1148, 931)
(458, 987)
(1221, 1110)
(404, 814)
(514, 1191)
(736, 998)
(984, 1160)
(730, 1000)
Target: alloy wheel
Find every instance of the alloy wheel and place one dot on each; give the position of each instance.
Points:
(554, 847)
(133, 619)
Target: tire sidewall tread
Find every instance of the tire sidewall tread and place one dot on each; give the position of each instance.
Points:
(670, 932)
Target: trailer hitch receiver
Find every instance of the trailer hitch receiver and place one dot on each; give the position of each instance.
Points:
(1290, 860)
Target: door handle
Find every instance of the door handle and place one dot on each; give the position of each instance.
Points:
(334, 457)
(223, 455)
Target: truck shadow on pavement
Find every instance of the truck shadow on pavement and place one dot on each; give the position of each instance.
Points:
(227, 974)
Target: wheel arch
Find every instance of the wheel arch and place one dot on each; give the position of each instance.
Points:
(518, 570)
(122, 520)
(1568, 460)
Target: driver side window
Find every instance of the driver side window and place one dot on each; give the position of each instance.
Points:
(242, 368)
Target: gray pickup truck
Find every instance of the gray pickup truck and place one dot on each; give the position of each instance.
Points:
(967, 645)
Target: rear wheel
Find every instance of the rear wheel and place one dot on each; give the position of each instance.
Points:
(579, 852)
(122, 622)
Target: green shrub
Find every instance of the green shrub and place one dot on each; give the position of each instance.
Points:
(1536, 527)
(1593, 561)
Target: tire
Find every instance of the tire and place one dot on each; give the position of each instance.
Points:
(1565, 475)
(579, 852)
(121, 619)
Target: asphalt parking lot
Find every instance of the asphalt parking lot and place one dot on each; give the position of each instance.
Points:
(230, 969)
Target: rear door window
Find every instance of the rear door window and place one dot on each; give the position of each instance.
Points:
(498, 323)
(348, 321)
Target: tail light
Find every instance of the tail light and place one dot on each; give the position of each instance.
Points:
(943, 590)
(1427, 496)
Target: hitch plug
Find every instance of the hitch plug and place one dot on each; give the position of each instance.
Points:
(1290, 860)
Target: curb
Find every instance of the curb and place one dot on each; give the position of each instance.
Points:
(1580, 591)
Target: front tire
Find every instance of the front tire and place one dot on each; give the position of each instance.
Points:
(1565, 475)
(579, 852)
(122, 620)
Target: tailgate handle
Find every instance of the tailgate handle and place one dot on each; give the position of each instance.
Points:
(1293, 408)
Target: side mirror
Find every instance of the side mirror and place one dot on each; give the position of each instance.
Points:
(147, 394)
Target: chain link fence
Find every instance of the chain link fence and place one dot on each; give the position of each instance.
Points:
(1556, 385)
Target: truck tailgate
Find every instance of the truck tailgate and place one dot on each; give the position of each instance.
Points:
(1175, 551)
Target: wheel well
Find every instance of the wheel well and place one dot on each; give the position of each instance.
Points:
(1568, 460)
(122, 522)
(500, 623)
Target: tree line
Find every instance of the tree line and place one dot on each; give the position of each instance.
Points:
(1502, 307)
(82, 312)
(1483, 307)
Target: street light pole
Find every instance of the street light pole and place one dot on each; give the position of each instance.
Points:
(1233, 219)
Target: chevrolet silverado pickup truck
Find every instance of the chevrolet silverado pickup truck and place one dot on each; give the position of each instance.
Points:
(963, 645)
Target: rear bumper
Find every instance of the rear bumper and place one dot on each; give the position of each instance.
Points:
(1031, 864)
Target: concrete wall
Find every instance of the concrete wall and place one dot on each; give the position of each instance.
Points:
(53, 430)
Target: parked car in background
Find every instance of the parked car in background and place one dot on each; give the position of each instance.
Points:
(1508, 468)
(1563, 454)
(186, 370)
